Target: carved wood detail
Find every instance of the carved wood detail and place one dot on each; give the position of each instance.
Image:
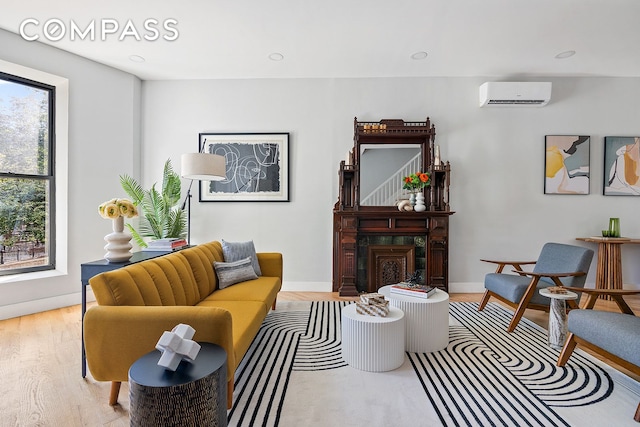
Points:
(389, 264)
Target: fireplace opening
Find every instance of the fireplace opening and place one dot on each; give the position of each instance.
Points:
(385, 260)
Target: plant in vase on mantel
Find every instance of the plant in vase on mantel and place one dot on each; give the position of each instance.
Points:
(118, 245)
(415, 183)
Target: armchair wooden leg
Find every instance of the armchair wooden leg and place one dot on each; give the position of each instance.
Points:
(567, 350)
(517, 315)
(273, 306)
(637, 417)
(485, 300)
(115, 390)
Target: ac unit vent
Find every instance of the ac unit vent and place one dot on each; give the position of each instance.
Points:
(515, 94)
(516, 101)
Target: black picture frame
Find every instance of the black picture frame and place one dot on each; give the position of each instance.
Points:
(257, 167)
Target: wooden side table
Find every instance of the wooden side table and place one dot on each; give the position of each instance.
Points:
(609, 267)
(194, 395)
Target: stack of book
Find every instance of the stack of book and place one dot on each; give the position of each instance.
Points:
(418, 291)
(166, 245)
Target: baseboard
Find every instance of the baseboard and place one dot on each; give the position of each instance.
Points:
(39, 305)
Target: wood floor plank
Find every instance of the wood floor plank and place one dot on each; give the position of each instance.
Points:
(40, 381)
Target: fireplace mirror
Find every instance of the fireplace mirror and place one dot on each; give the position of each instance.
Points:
(382, 169)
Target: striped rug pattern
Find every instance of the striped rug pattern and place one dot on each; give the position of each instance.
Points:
(485, 376)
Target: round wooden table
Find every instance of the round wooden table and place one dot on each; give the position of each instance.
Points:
(195, 394)
(609, 267)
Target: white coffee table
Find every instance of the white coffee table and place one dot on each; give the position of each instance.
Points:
(427, 320)
(371, 343)
(558, 317)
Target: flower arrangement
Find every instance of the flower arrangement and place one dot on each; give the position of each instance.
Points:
(115, 208)
(416, 181)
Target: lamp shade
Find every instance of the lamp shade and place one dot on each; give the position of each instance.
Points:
(203, 166)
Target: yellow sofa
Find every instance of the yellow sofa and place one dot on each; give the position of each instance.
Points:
(137, 303)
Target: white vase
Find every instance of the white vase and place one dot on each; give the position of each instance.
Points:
(420, 206)
(412, 199)
(118, 245)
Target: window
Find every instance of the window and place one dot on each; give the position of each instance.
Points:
(27, 180)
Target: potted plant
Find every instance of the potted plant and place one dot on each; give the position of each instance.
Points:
(161, 217)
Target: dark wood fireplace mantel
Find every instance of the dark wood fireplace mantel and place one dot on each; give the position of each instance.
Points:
(359, 266)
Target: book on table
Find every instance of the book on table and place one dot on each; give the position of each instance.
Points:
(418, 291)
(166, 244)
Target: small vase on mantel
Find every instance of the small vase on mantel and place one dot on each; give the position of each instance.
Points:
(420, 206)
(118, 245)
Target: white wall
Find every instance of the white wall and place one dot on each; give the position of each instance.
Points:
(497, 158)
(104, 141)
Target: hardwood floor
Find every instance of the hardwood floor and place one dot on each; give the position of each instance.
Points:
(40, 371)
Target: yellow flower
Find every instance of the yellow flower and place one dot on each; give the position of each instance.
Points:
(115, 208)
(111, 211)
(127, 209)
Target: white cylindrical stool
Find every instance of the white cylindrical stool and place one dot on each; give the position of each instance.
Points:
(558, 316)
(426, 319)
(371, 343)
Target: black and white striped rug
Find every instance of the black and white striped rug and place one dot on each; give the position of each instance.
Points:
(294, 375)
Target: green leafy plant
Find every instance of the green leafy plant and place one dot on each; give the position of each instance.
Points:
(161, 216)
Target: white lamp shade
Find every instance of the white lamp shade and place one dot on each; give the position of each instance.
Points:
(203, 166)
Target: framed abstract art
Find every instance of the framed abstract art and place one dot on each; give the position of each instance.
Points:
(257, 167)
(567, 164)
(621, 166)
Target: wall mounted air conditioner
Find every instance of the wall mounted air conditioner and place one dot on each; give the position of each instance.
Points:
(515, 94)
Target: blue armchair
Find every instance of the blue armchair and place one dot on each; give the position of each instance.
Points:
(557, 265)
(613, 335)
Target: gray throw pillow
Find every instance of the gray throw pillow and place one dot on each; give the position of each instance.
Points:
(230, 273)
(234, 251)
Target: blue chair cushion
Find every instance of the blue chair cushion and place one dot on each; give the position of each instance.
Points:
(617, 333)
(513, 286)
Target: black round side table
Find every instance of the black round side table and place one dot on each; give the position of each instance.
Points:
(194, 395)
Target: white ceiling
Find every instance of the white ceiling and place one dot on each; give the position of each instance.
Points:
(350, 38)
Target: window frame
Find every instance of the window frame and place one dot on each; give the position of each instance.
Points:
(49, 177)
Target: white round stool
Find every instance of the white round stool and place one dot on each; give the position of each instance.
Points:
(371, 343)
(426, 319)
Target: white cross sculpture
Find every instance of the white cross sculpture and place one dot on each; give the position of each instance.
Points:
(176, 346)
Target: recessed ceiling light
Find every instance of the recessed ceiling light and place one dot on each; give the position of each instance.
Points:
(136, 58)
(566, 54)
(276, 56)
(419, 55)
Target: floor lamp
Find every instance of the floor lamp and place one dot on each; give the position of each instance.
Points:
(201, 167)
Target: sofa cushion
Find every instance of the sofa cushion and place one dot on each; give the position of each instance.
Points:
(264, 289)
(246, 318)
(235, 251)
(230, 273)
(616, 333)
